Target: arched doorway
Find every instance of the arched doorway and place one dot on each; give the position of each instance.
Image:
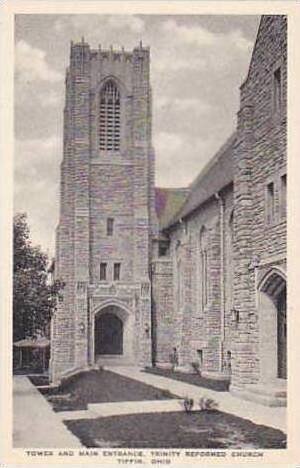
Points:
(108, 334)
(273, 326)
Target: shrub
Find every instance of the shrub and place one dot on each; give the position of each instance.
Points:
(196, 366)
(207, 404)
(166, 394)
(188, 404)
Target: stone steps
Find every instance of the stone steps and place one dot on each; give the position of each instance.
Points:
(113, 360)
(269, 394)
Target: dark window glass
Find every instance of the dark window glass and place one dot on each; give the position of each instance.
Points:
(200, 356)
(117, 271)
(110, 226)
(270, 203)
(277, 90)
(103, 267)
(283, 196)
(163, 248)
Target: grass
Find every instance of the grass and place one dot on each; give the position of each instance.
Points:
(201, 429)
(100, 386)
(194, 379)
(38, 380)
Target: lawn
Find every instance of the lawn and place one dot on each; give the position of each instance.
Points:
(194, 379)
(201, 429)
(38, 380)
(100, 386)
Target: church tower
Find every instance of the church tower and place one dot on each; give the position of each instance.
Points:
(107, 216)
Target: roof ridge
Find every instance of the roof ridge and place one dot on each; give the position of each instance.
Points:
(214, 159)
(189, 204)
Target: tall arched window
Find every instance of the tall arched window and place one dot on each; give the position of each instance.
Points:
(179, 285)
(230, 265)
(109, 120)
(204, 273)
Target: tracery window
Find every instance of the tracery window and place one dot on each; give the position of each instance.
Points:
(109, 120)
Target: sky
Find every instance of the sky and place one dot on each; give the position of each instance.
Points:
(197, 66)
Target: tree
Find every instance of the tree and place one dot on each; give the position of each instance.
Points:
(34, 298)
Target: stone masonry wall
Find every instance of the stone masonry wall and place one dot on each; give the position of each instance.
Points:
(163, 310)
(260, 156)
(195, 329)
(96, 185)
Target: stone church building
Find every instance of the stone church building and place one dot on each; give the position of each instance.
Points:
(147, 269)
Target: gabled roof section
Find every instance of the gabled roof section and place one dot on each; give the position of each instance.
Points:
(268, 31)
(253, 50)
(168, 201)
(215, 176)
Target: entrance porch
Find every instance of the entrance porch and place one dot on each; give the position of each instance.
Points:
(112, 336)
(271, 389)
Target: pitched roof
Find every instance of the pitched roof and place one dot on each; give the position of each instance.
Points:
(168, 202)
(217, 174)
(258, 33)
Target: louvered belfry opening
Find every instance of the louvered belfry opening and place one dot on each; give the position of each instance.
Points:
(109, 132)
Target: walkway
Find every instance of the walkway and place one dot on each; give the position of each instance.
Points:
(35, 425)
(117, 408)
(258, 414)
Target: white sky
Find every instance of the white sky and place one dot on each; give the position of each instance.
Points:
(197, 66)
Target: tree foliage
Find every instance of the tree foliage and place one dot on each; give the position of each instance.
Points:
(34, 298)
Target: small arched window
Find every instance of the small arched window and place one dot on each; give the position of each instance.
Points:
(109, 120)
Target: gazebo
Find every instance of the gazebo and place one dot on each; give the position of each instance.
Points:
(29, 345)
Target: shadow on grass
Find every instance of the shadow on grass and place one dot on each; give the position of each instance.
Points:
(38, 380)
(194, 379)
(200, 429)
(99, 386)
